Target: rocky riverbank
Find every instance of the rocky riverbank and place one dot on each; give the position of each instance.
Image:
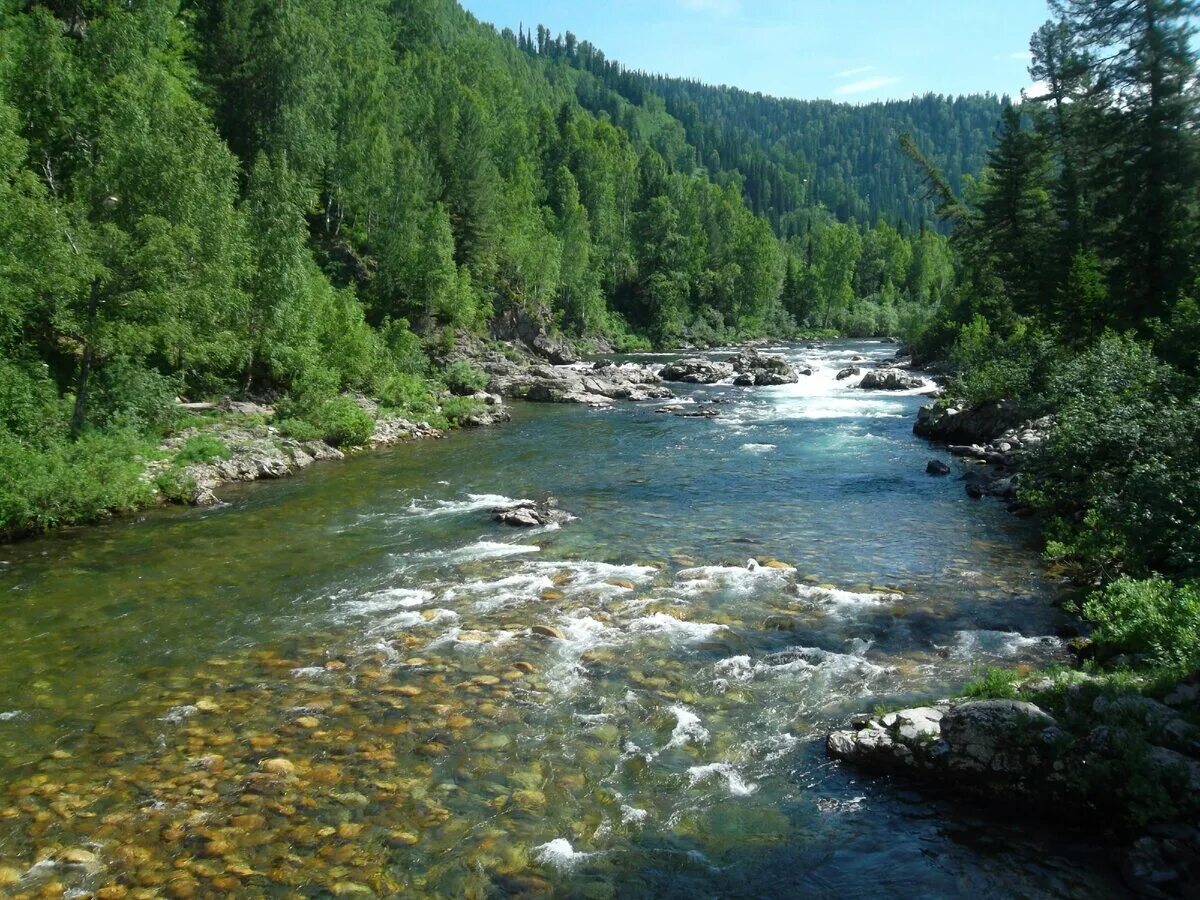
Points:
(1085, 751)
(1108, 751)
(253, 449)
(992, 438)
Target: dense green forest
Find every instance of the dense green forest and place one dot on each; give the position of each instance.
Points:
(1077, 295)
(793, 154)
(295, 200)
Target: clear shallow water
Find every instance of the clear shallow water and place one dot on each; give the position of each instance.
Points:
(369, 623)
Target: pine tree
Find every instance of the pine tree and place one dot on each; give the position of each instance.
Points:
(1142, 54)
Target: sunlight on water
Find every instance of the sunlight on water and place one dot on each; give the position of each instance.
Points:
(357, 680)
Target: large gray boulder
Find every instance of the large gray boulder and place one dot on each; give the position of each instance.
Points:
(762, 370)
(994, 744)
(696, 370)
(975, 425)
(890, 380)
(594, 386)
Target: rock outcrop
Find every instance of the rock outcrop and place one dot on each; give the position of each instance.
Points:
(531, 514)
(1126, 760)
(696, 370)
(973, 425)
(890, 379)
(755, 368)
(529, 331)
(1003, 748)
(596, 385)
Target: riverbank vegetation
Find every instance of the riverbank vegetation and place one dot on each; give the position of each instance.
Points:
(1077, 295)
(290, 202)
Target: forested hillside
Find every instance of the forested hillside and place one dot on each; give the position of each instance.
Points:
(293, 201)
(795, 154)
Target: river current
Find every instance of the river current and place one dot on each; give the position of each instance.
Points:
(331, 686)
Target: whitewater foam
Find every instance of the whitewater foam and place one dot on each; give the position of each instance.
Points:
(559, 854)
(688, 728)
(738, 787)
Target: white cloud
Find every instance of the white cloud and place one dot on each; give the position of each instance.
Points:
(716, 7)
(865, 84)
(850, 73)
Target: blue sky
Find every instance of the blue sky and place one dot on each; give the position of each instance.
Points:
(851, 50)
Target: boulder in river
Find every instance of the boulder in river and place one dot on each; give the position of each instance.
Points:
(763, 370)
(976, 425)
(889, 380)
(848, 372)
(936, 467)
(530, 514)
(993, 746)
(696, 370)
(592, 386)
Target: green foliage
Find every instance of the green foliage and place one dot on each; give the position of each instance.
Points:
(286, 201)
(338, 421)
(455, 409)
(992, 368)
(1116, 475)
(202, 448)
(410, 396)
(1152, 617)
(70, 483)
(464, 378)
(994, 684)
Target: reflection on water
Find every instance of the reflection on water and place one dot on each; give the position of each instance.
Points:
(355, 682)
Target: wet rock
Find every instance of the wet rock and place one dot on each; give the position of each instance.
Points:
(889, 380)
(559, 384)
(702, 412)
(696, 370)
(848, 372)
(995, 746)
(78, 856)
(278, 766)
(757, 369)
(955, 425)
(530, 514)
(936, 467)
(548, 631)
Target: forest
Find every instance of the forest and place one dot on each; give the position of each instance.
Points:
(252, 199)
(1077, 295)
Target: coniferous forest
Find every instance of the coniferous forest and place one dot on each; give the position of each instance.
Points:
(611, 648)
(209, 199)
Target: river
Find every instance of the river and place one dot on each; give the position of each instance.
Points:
(329, 685)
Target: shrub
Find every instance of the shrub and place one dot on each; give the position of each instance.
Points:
(463, 378)
(337, 420)
(202, 448)
(299, 429)
(1150, 617)
(70, 482)
(127, 396)
(455, 409)
(29, 404)
(994, 684)
(993, 368)
(1116, 475)
(409, 395)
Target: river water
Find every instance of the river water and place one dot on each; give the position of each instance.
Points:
(330, 684)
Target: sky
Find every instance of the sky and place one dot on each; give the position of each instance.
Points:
(850, 50)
